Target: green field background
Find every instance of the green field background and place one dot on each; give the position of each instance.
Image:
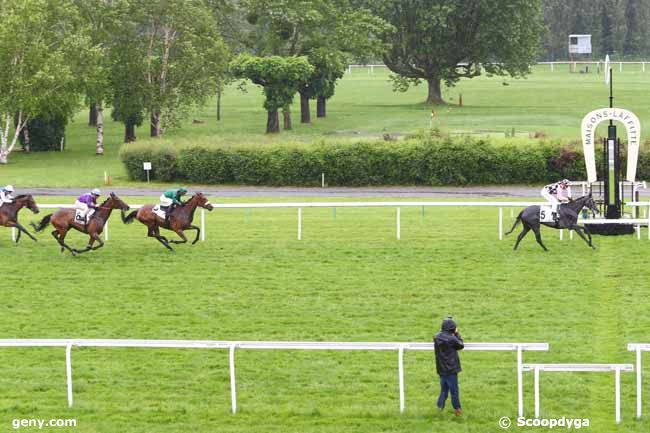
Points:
(349, 279)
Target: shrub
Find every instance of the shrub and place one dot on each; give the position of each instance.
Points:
(425, 159)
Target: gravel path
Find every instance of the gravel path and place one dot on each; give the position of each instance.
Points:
(397, 192)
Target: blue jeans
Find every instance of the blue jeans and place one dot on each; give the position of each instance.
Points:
(449, 384)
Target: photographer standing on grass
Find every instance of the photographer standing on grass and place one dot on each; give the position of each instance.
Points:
(447, 344)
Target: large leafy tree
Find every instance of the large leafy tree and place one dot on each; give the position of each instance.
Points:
(326, 31)
(446, 40)
(44, 48)
(278, 76)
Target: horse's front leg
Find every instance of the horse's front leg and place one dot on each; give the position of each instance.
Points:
(22, 229)
(181, 235)
(198, 233)
(580, 230)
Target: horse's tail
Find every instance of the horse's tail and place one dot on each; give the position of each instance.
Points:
(42, 223)
(129, 218)
(517, 221)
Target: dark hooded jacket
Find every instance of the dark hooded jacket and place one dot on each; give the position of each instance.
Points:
(447, 347)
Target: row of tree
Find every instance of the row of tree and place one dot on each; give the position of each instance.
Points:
(151, 60)
(618, 27)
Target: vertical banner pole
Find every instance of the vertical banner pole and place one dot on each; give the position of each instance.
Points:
(233, 385)
(68, 371)
(400, 357)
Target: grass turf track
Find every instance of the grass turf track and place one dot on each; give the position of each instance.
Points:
(348, 280)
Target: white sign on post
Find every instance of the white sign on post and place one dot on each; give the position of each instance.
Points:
(147, 168)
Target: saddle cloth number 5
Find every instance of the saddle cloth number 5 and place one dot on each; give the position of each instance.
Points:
(545, 214)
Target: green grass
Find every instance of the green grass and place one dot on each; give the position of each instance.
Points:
(348, 280)
(364, 107)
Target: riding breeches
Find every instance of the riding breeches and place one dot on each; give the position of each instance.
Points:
(551, 199)
(166, 201)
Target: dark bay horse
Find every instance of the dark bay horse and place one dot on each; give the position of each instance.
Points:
(568, 213)
(63, 220)
(9, 213)
(179, 219)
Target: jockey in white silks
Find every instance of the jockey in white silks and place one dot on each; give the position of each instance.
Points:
(6, 195)
(556, 193)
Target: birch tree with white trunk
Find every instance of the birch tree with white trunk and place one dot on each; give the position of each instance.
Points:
(43, 49)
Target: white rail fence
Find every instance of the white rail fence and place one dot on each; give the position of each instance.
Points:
(638, 348)
(638, 222)
(573, 64)
(231, 346)
(590, 368)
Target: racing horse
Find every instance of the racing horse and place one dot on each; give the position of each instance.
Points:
(64, 219)
(568, 219)
(179, 219)
(9, 213)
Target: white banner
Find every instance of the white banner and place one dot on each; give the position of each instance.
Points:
(632, 126)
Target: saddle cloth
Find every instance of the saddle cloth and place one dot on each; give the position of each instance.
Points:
(79, 216)
(546, 214)
(156, 210)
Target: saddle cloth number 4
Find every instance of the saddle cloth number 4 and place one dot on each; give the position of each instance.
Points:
(545, 214)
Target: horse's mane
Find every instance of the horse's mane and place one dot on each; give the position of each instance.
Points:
(18, 197)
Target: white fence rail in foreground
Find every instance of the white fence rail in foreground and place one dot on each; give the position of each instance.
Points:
(397, 205)
(638, 348)
(590, 368)
(275, 345)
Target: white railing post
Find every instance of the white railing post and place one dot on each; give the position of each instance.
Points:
(400, 360)
(202, 224)
(13, 234)
(106, 231)
(399, 228)
(520, 385)
(561, 234)
(536, 391)
(68, 371)
(617, 391)
(639, 408)
(500, 223)
(299, 223)
(233, 385)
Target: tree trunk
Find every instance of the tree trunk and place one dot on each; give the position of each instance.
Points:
(155, 124)
(92, 115)
(286, 114)
(99, 147)
(305, 116)
(27, 146)
(129, 132)
(321, 109)
(435, 94)
(219, 105)
(272, 122)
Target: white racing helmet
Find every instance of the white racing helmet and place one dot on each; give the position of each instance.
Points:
(9, 188)
(96, 191)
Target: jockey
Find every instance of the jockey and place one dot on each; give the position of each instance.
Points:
(556, 193)
(170, 199)
(6, 195)
(87, 203)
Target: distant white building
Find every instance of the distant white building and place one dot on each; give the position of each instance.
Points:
(579, 44)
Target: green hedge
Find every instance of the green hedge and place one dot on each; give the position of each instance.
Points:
(414, 161)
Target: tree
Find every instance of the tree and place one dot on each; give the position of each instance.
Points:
(44, 48)
(278, 76)
(323, 30)
(633, 36)
(448, 40)
(607, 29)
